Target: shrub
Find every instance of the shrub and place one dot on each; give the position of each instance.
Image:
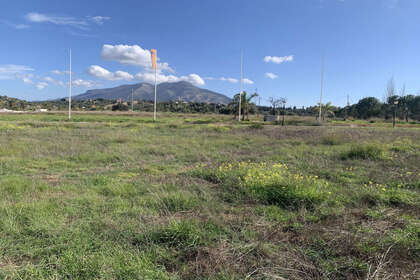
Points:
(364, 152)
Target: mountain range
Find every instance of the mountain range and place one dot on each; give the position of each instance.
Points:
(184, 91)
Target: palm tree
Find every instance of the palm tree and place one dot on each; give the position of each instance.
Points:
(327, 109)
(245, 104)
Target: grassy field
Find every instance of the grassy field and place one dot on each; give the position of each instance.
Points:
(110, 196)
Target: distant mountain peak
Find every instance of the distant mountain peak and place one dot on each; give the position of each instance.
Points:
(165, 92)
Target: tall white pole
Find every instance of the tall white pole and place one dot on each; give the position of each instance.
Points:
(70, 89)
(154, 110)
(322, 87)
(240, 90)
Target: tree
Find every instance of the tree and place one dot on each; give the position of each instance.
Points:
(368, 107)
(390, 89)
(275, 103)
(327, 108)
(245, 103)
(119, 107)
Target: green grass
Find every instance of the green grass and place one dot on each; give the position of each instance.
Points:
(371, 151)
(116, 196)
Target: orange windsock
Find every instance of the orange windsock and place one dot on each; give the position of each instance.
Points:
(153, 53)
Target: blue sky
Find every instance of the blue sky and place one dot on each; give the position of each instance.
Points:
(365, 43)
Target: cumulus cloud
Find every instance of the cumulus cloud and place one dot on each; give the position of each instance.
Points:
(194, 79)
(278, 59)
(99, 19)
(59, 72)
(58, 20)
(102, 73)
(82, 83)
(41, 85)
(131, 55)
(247, 81)
(149, 77)
(12, 71)
(271, 75)
(230, 80)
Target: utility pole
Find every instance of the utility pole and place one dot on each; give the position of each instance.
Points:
(70, 88)
(132, 100)
(240, 90)
(153, 53)
(395, 113)
(347, 108)
(322, 87)
(259, 101)
(284, 111)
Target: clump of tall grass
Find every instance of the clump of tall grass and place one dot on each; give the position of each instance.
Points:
(176, 234)
(332, 140)
(368, 151)
(256, 126)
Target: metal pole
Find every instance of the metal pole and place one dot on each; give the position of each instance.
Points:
(132, 100)
(322, 86)
(393, 117)
(154, 110)
(284, 108)
(240, 91)
(70, 89)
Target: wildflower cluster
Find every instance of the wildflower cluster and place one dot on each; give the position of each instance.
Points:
(275, 183)
(375, 186)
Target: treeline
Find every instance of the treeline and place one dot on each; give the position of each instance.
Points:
(405, 107)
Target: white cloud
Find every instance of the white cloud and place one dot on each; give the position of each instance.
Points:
(194, 79)
(131, 55)
(230, 80)
(59, 72)
(20, 26)
(247, 81)
(278, 59)
(149, 77)
(99, 19)
(83, 83)
(28, 81)
(121, 75)
(58, 20)
(271, 75)
(49, 80)
(41, 85)
(12, 71)
(102, 73)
